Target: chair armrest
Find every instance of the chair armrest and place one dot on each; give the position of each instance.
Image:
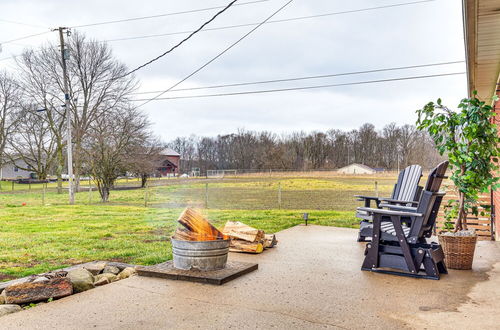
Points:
(361, 198)
(396, 201)
(389, 212)
(399, 207)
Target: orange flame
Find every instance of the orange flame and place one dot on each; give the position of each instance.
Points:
(198, 227)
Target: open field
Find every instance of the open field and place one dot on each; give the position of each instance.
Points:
(35, 238)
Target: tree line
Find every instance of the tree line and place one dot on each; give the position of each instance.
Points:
(390, 148)
(110, 136)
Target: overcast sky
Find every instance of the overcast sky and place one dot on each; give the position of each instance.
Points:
(415, 34)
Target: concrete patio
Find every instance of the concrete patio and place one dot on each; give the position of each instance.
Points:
(312, 279)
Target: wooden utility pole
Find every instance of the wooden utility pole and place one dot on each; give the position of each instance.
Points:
(64, 57)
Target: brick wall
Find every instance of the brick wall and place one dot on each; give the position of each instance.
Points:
(496, 194)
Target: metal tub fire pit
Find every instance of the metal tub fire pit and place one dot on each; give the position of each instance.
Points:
(200, 255)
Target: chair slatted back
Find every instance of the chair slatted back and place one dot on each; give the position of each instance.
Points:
(429, 203)
(436, 177)
(407, 184)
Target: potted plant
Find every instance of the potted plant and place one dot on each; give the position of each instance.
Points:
(470, 139)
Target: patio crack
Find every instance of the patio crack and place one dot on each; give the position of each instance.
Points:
(267, 311)
(239, 306)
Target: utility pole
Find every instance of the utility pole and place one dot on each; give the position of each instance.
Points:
(64, 57)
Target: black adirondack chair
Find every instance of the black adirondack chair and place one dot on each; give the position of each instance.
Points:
(399, 237)
(406, 191)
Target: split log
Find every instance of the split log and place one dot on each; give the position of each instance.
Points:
(244, 246)
(270, 241)
(198, 224)
(185, 235)
(238, 230)
(37, 291)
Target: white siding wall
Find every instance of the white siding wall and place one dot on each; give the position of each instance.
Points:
(8, 171)
(355, 169)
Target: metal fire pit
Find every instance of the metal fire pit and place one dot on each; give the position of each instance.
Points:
(200, 255)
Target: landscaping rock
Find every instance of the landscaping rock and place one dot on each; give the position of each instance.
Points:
(2, 299)
(40, 279)
(37, 291)
(96, 267)
(101, 281)
(81, 279)
(3, 285)
(8, 309)
(111, 269)
(109, 276)
(127, 272)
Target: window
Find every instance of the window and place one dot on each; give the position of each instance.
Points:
(16, 169)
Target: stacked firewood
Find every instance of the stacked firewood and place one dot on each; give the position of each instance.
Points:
(248, 239)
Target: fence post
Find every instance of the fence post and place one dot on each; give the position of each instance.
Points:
(376, 188)
(29, 186)
(90, 191)
(279, 195)
(206, 195)
(44, 185)
(146, 195)
(12, 185)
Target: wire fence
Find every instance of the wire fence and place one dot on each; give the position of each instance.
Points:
(245, 193)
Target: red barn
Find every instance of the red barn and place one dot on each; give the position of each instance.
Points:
(169, 162)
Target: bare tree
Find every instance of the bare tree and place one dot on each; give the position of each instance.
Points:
(389, 150)
(186, 147)
(98, 83)
(110, 142)
(9, 110)
(407, 141)
(33, 143)
(146, 157)
(317, 148)
(39, 74)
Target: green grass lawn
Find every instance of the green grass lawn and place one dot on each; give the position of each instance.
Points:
(36, 238)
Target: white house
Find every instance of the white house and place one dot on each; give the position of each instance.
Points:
(11, 170)
(356, 169)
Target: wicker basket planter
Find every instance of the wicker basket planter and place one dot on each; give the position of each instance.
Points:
(458, 250)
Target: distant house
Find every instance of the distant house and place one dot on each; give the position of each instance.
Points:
(356, 169)
(169, 162)
(10, 170)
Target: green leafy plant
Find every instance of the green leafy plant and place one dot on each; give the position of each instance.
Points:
(31, 305)
(470, 139)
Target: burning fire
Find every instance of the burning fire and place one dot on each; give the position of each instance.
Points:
(196, 228)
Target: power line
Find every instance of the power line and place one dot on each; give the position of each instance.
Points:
(181, 42)
(163, 15)
(306, 77)
(232, 26)
(8, 58)
(25, 37)
(274, 21)
(21, 23)
(302, 88)
(217, 56)
(124, 20)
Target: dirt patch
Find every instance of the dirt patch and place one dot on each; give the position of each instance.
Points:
(159, 232)
(166, 239)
